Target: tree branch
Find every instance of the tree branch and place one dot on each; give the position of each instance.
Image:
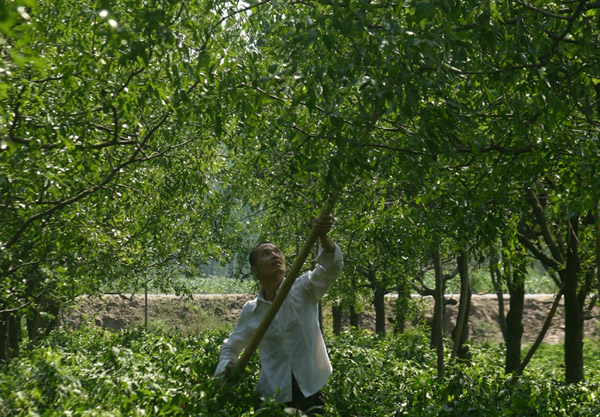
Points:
(392, 148)
(448, 277)
(224, 18)
(28, 303)
(499, 149)
(538, 253)
(542, 11)
(571, 21)
(84, 193)
(541, 335)
(26, 264)
(538, 213)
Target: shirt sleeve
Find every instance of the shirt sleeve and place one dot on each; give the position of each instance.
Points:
(329, 266)
(236, 342)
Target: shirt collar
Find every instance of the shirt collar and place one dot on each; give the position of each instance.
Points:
(260, 299)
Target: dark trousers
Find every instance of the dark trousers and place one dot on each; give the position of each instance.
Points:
(313, 405)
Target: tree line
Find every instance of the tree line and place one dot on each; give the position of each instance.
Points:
(146, 139)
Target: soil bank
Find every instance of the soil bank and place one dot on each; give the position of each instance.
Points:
(192, 314)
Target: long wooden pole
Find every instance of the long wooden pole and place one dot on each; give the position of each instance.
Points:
(284, 288)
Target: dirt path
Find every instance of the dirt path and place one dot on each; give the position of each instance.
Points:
(193, 314)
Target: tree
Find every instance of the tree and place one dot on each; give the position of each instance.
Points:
(510, 271)
(109, 149)
(566, 256)
(450, 112)
(479, 97)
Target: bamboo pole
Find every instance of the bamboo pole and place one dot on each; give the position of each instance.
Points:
(284, 289)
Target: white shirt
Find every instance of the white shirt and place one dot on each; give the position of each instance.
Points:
(293, 342)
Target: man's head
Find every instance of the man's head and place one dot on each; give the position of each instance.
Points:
(266, 260)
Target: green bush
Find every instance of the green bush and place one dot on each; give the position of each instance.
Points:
(93, 372)
(397, 376)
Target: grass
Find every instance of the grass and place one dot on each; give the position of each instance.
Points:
(537, 282)
(200, 285)
(224, 285)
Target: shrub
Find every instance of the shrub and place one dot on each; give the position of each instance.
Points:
(93, 372)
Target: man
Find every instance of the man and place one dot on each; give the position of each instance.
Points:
(294, 361)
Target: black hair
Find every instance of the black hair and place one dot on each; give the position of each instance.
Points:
(252, 256)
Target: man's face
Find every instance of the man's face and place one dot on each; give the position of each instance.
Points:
(269, 261)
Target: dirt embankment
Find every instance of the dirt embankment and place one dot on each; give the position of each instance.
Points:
(190, 315)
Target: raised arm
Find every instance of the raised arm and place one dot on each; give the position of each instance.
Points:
(323, 224)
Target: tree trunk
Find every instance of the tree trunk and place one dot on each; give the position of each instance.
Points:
(496, 277)
(378, 299)
(597, 246)
(515, 281)
(573, 308)
(463, 351)
(461, 330)
(34, 324)
(514, 326)
(402, 305)
(379, 303)
(44, 317)
(4, 344)
(568, 266)
(10, 336)
(437, 337)
(540, 337)
(336, 316)
(354, 318)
